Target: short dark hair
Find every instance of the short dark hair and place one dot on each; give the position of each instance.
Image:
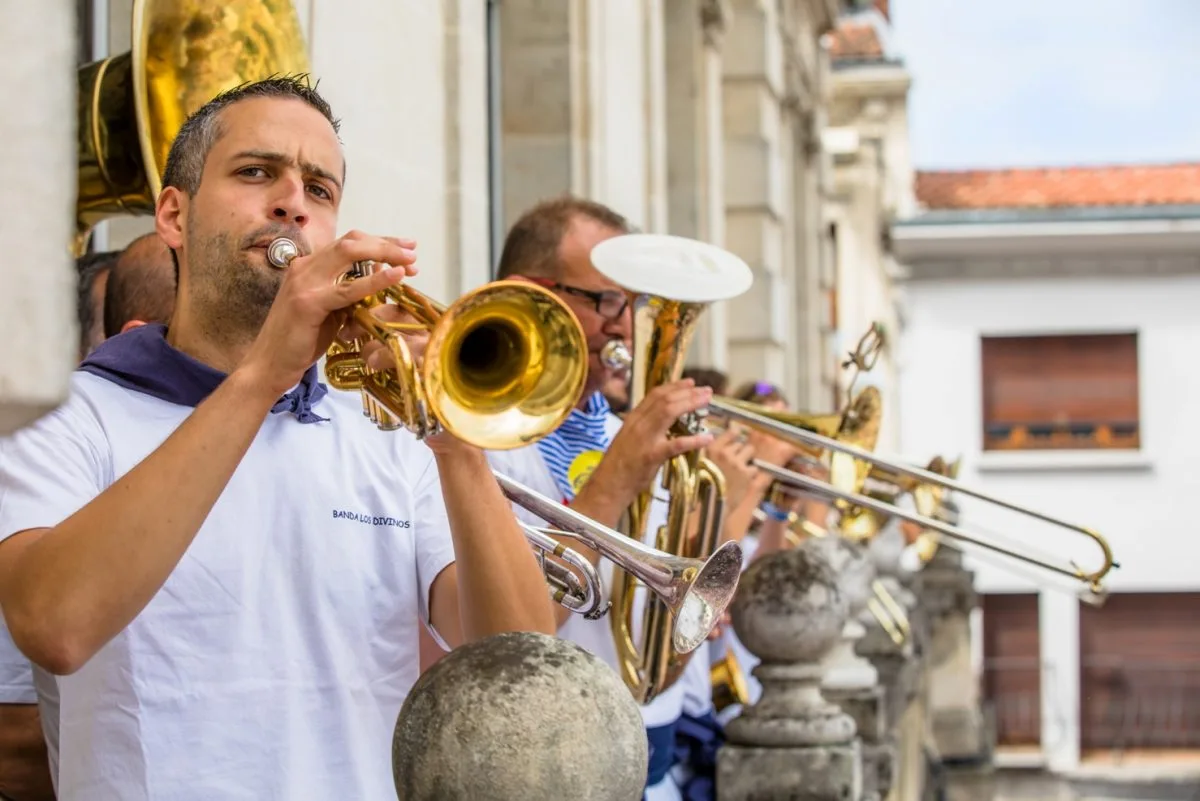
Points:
(139, 288)
(89, 267)
(532, 245)
(202, 129)
(708, 377)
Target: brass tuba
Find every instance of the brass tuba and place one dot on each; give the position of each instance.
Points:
(672, 279)
(503, 366)
(183, 53)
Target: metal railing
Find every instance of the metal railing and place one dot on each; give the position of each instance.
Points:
(1128, 704)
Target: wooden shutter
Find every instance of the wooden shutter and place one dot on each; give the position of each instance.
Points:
(1139, 659)
(1057, 392)
(1012, 676)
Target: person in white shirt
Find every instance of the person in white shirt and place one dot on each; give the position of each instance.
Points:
(596, 461)
(225, 565)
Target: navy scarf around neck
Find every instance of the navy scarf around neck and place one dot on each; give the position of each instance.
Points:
(141, 360)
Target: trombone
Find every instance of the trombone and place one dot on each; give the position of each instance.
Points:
(809, 440)
(504, 365)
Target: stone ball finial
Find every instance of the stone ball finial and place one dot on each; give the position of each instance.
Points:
(519, 716)
(788, 606)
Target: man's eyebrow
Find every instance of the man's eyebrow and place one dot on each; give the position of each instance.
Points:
(287, 161)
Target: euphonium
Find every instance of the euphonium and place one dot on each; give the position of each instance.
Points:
(673, 280)
(131, 106)
(504, 365)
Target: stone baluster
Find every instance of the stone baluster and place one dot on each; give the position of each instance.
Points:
(961, 734)
(789, 612)
(850, 680)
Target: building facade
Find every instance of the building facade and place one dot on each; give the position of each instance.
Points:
(703, 118)
(1050, 328)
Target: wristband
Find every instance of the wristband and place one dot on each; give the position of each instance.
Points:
(774, 512)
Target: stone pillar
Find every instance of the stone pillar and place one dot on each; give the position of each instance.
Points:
(851, 681)
(37, 208)
(694, 32)
(756, 189)
(961, 735)
(898, 666)
(789, 612)
(544, 111)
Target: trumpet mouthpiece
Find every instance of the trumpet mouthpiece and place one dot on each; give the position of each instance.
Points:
(281, 251)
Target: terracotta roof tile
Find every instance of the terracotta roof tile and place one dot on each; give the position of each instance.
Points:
(855, 40)
(1060, 187)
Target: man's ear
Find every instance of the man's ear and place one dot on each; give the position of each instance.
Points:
(131, 325)
(169, 215)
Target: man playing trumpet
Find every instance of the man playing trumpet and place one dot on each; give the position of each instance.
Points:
(224, 563)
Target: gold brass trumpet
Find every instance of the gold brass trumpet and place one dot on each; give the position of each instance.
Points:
(504, 365)
(764, 420)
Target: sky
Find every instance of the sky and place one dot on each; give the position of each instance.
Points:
(1023, 83)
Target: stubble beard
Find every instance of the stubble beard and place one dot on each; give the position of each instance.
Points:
(231, 290)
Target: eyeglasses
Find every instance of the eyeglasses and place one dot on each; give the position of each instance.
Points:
(610, 303)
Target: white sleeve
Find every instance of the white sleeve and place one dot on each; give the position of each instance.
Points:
(16, 675)
(434, 545)
(52, 468)
(526, 466)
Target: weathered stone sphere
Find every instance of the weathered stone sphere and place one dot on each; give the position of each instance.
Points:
(788, 606)
(519, 716)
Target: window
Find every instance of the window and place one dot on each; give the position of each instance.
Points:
(1060, 392)
(1012, 673)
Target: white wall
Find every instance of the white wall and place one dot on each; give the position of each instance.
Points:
(1141, 502)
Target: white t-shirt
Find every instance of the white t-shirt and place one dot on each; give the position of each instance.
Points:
(16, 678)
(273, 662)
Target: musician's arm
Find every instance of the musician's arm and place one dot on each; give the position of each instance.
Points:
(495, 584)
(69, 588)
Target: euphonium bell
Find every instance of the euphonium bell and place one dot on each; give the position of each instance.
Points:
(131, 106)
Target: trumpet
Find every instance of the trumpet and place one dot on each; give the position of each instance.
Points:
(762, 420)
(504, 365)
(695, 591)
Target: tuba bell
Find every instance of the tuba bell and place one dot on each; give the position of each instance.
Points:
(673, 280)
(130, 107)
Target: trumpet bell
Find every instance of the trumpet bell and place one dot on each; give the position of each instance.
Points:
(505, 365)
(131, 106)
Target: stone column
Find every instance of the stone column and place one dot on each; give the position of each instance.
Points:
(851, 681)
(961, 735)
(694, 33)
(544, 90)
(37, 208)
(756, 190)
(789, 612)
(898, 666)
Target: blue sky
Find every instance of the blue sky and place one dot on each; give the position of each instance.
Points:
(1000, 83)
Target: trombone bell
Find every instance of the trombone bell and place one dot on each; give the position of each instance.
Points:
(695, 591)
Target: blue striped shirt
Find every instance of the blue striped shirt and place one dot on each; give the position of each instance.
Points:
(582, 431)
